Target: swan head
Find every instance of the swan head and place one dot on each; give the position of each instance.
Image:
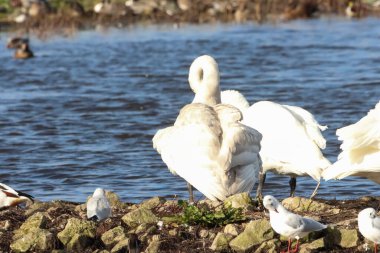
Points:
(99, 192)
(204, 80)
(367, 213)
(271, 203)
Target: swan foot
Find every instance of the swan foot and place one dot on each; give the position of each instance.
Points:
(259, 193)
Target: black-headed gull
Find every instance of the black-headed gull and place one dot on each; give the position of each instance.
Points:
(369, 225)
(11, 197)
(208, 146)
(289, 224)
(288, 131)
(98, 207)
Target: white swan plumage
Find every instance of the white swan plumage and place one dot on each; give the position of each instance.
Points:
(292, 139)
(207, 145)
(360, 146)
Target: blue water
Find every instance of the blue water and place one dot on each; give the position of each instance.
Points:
(82, 113)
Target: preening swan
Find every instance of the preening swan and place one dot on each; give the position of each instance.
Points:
(360, 154)
(291, 138)
(207, 145)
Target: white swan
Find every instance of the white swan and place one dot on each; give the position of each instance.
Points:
(360, 154)
(291, 138)
(208, 146)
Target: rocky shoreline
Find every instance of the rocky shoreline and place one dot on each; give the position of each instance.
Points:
(239, 224)
(63, 17)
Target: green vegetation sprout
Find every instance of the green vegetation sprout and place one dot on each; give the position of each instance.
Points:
(205, 216)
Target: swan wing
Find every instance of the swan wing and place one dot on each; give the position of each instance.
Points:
(360, 154)
(285, 137)
(191, 148)
(239, 154)
(361, 138)
(313, 129)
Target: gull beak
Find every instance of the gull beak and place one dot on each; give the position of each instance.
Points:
(276, 210)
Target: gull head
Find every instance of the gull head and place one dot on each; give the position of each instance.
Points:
(271, 203)
(367, 213)
(99, 192)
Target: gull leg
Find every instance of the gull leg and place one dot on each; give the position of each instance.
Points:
(292, 184)
(297, 245)
(315, 190)
(289, 246)
(191, 195)
(375, 247)
(259, 193)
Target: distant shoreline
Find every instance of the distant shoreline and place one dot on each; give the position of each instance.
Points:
(61, 19)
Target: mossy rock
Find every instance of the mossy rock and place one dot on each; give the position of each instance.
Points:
(152, 202)
(111, 237)
(270, 246)
(153, 247)
(77, 234)
(35, 239)
(121, 246)
(254, 234)
(345, 238)
(139, 216)
(240, 200)
(314, 246)
(221, 242)
(303, 205)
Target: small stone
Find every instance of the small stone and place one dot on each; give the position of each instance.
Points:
(240, 200)
(113, 236)
(152, 202)
(316, 245)
(5, 224)
(254, 234)
(231, 229)
(78, 243)
(173, 232)
(139, 216)
(221, 241)
(141, 228)
(121, 246)
(203, 233)
(270, 246)
(153, 247)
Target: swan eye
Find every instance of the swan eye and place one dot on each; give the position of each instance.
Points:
(200, 74)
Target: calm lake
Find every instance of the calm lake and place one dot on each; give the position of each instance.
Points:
(82, 113)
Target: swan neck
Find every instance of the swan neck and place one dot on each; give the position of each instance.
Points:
(204, 81)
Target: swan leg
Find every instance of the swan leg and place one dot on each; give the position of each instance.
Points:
(315, 190)
(191, 194)
(292, 184)
(259, 193)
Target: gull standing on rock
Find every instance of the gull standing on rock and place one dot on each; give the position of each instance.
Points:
(360, 154)
(369, 225)
(289, 224)
(292, 138)
(208, 146)
(11, 197)
(98, 207)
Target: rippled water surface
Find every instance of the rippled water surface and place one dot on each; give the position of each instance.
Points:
(83, 112)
